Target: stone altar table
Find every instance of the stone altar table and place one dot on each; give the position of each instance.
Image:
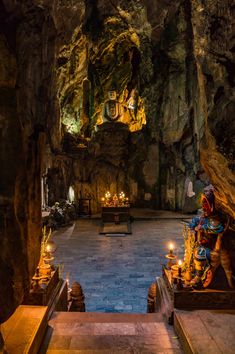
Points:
(115, 220)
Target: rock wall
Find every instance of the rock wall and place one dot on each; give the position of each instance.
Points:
(112, 47)
(126, 46)
(215, 58)
(26, 53)
(164, 55)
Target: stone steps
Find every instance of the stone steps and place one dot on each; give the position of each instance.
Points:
(206, 331)
(91, 317)
(109, 333)
(200, 331)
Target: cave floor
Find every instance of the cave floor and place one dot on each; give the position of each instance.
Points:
(116, 272)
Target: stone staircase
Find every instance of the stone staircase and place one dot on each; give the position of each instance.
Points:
(74, 332)
(200, 331)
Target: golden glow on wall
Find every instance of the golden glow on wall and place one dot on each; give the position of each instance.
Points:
(127, 108)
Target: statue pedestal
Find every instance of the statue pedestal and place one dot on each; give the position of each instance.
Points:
(198, 299)
(52, 293)
(169, 298)
(112, 126)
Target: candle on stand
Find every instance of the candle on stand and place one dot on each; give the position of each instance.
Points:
(179, 278)
(171, 248)
(68, 288)
(179, 268)
(67, 279)
(170, 255)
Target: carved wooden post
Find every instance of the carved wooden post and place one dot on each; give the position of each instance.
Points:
(77, 298)
(152, 295)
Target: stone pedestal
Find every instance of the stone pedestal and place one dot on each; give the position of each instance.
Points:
(187, 298)
(52, 294)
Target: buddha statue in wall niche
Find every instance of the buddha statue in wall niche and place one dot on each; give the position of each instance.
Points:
(113, 110)
(129, 110)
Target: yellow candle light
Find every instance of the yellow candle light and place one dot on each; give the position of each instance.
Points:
(170, 256)
(67, 278)
(171, 248)
(107, 195)
(179, 267)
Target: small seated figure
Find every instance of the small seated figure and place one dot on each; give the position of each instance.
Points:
(208, 253)
(115, 200)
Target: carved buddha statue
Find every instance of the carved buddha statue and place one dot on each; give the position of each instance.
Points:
(112, 108)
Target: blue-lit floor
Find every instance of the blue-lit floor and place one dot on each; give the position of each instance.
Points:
(116, 272)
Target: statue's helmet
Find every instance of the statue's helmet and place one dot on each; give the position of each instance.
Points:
(208, 200)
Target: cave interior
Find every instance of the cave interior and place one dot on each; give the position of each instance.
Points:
(97, 96)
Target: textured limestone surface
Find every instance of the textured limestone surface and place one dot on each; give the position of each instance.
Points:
(172, 66)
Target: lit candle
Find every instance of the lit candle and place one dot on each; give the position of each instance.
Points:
(107, 195)
(67, 278)
(179, 268)
(171, 247)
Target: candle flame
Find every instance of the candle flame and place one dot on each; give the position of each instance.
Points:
(171, 246)
(179, 262)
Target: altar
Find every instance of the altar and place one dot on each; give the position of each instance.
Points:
(115, 220)
(115, 214)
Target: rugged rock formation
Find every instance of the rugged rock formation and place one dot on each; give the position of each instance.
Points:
(172, 66)
(24, 84)
(213, 26)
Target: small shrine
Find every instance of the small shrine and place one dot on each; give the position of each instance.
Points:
(115, 214)
(115, 200)
(47, 287)
(204, 278)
